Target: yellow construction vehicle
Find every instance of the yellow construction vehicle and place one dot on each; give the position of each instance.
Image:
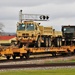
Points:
(33, 33)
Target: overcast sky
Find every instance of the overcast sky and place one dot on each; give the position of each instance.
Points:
(61, 12)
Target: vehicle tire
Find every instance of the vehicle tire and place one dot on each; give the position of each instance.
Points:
(59, 42)
(38, 44)
(46, 42)
(20, 45)
(49, 42)
(12, 43)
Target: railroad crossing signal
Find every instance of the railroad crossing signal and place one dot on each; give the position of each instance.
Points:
(43, 17)
(33, 17)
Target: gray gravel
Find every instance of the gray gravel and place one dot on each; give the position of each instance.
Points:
(40, 68)
(38, 61)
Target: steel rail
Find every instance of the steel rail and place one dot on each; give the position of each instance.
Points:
(35, 65)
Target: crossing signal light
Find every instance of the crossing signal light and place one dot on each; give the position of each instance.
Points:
(47, 17)
(33, 17)
(43, 17)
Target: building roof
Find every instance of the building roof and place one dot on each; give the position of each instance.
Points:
(6, 37)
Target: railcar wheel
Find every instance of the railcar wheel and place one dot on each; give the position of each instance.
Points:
(8, 57)
(27, 54)
(54, 54)
(69, 53)
(21, 57)
(74, 51)
(14, 57)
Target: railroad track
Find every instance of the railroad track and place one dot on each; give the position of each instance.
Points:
(32, 63)
(32, 58)
(19, 66)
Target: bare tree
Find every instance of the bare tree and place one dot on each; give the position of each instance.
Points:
(1, 27)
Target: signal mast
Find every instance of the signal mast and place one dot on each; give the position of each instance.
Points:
(32, 17)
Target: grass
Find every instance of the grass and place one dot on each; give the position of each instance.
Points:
(41, 72)
(61, 61)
